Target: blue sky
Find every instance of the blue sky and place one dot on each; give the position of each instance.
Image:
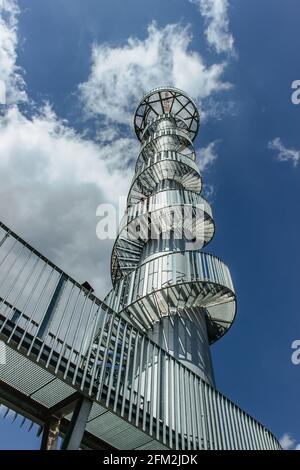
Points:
(73, 78)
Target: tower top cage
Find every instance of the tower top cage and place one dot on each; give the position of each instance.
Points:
(167, 100)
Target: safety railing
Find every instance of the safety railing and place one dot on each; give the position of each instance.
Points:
(56, 322)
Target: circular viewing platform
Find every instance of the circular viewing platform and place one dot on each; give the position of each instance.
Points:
(164, 100)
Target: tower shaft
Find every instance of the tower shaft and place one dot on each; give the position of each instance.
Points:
(182, 297)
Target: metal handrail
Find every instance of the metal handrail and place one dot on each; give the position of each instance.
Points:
(104, 362)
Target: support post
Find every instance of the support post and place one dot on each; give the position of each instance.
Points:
(44, 326)
(77, 426)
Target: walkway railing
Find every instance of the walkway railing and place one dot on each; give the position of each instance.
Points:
(55, 322)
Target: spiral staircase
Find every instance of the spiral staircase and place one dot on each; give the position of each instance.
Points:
(158, 268)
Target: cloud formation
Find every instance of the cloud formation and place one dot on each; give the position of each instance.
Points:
(217, 32)
(283, 153)
(52, 177)
(287, 442)
(121, 75)
(12, 85)
(207, 155)
(52, 181)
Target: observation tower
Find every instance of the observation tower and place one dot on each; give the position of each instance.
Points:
(163, 281)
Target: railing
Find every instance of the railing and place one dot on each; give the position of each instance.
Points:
(53, 320)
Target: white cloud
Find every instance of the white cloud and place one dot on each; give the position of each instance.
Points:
(284, 154)
(207, 155)
(121, 75)
(215, 14)
(287, 442)
(2, 92)
(52, 181)
(216, 109)
(208, 191)
(52, 178)
(11, 80)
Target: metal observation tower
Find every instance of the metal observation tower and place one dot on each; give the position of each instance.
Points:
(133, 371)
(182, 297)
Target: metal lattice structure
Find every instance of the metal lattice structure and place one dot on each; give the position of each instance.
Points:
(136, 368)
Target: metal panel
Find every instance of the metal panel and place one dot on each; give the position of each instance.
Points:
(53, 393)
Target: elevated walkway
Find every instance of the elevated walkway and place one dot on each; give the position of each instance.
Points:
(81, 370)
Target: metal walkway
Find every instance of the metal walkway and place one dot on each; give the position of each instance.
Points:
(69, 356)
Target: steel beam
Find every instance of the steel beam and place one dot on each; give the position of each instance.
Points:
(39, 414)
(77, 426)
(52, 306)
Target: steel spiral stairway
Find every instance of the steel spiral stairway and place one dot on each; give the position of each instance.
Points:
(158, 267)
